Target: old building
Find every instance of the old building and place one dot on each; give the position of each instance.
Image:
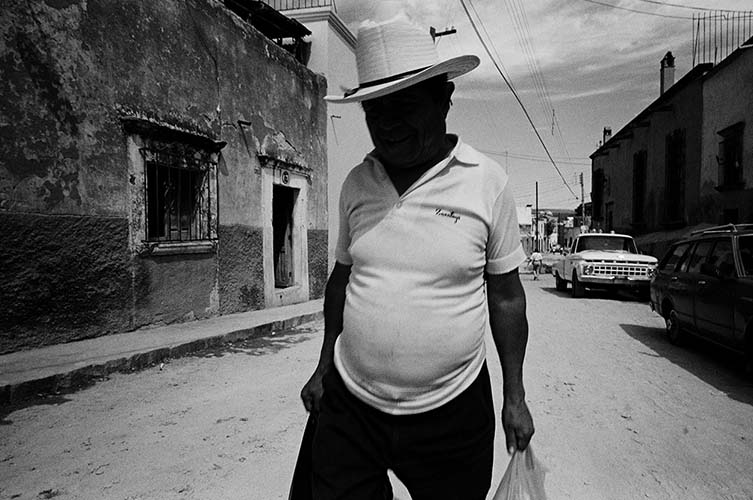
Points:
(160, 161)
(657, 154)
(727, 163)
(333, 48)
(685, 158)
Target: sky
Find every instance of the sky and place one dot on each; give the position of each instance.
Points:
(577, 66)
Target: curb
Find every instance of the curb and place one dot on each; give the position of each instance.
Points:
(86, 376)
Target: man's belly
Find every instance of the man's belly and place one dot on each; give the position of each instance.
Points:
(405, 354)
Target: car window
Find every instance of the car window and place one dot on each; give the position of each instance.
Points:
(746, 253)
(673, 257)
(700, 253)
(721, 261)
(607, 243)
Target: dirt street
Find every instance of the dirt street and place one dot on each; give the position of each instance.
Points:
(620, 414)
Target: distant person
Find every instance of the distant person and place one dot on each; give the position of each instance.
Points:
(427, 257)
(536, 260)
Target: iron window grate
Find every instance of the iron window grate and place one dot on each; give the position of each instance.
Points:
(177, 194)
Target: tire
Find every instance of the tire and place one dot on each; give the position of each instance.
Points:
(559, 283)
(578, 289)
(674, 331)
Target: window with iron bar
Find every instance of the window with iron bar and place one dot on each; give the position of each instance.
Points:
(640, 162)
(674, 184)
(730, 157)
(177, 194)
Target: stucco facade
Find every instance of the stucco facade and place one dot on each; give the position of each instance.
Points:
(728, 101)
(686, 161)
(348, 141)
(634, 167)
(95, 95)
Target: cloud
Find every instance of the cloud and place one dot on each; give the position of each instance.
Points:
(599, 66)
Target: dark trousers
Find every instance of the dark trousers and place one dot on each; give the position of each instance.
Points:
(442, 454)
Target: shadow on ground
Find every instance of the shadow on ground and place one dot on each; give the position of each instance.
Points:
(259, 346)
(6, 410)
(719, 367)
(616, 295)
(45, 392)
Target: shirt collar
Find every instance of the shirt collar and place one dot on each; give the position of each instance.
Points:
(463, 153)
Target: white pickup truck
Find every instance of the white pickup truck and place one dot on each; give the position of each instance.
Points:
(606, 261)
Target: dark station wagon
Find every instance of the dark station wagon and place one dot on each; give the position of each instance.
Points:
(704, 286)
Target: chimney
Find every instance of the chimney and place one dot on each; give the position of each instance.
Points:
(607, 134)
(667, 73)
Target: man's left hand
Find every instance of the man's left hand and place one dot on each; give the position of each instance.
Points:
(518, 425)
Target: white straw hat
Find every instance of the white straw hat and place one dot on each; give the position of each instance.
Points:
(395, 54)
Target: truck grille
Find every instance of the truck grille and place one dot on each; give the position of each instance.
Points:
(605, 269)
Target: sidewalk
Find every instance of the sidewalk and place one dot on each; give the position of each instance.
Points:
(68, 367)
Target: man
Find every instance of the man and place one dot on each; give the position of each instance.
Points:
(428, 251)
(536, 260)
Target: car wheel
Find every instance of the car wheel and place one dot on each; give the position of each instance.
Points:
(559, 283)
(578, 289)
(674, 332)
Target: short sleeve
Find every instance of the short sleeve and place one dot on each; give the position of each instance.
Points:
(342, 250)
(503, 249)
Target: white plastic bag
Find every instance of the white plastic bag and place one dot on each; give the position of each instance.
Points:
(523, 479)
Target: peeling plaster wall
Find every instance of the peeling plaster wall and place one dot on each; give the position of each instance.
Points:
(241, 269)
(64, 278)
(70, 70)
(318, 265)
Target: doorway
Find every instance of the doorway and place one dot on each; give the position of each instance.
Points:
(283, 208)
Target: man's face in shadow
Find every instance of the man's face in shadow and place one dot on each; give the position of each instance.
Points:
(408, 127)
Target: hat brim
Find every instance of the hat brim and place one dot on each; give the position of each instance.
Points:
(453, 67)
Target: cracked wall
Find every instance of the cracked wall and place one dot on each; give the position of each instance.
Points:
(69, 73)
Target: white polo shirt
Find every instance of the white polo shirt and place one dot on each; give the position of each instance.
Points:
(415, 310)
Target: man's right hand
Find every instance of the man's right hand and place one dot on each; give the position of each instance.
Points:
(312, 392)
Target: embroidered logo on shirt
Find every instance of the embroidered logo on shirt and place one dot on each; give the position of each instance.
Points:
(447, 213)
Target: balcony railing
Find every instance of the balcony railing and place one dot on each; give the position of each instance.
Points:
(300, 4)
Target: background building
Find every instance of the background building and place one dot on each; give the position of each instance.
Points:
(160, 161)
(686, 160)
(333, 55)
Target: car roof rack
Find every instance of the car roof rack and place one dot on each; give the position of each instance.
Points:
(727, 228)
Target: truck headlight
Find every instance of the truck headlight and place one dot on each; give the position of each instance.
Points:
(588, 269)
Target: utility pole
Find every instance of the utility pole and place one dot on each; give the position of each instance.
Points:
(536, 220)
(582, 202)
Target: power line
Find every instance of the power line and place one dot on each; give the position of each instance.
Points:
(519, 19)
(486, 111)
(519, 198)
(517, 97)
(525, 44)
(494, 60)
(668, 4)
(519, 156)
(545, 183)
(636, 10)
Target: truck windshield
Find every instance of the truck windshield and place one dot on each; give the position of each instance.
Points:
(606, 243)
